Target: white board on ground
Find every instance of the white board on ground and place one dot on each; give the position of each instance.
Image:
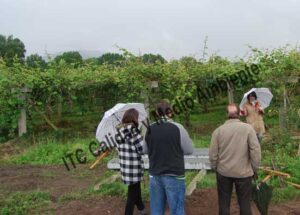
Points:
(198, 160)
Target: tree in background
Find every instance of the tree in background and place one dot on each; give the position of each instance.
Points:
(36, 61)
(151, 58)
(71, 58)
(91, 60)
(10, 48)
(111, 59)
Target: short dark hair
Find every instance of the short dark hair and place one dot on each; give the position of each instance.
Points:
(163, 108)
(131, 116)
(251, 94)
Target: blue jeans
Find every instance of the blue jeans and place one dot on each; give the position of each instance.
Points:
(166, 188)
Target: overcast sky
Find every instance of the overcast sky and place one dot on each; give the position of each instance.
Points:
(173, 28)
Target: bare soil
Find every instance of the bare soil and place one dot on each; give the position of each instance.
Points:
(205, 201)
(9, 148)
(58, 181)
(54, 179)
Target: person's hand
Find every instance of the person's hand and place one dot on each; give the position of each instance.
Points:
(96, 152)
(259, 110)
(242, 113)
(255, 176)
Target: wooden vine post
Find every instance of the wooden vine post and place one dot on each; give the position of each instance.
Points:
(145, 93)
(22, 126)
(230, 91)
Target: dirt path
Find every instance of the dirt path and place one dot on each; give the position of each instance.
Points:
(54, 179)
(58, 181)
(205, 201)
(202, 202)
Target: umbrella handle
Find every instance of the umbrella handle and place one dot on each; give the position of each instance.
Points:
(99, 159)
(267, 178)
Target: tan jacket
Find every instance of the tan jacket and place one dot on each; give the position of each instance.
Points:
(254, 118)
(235, 150)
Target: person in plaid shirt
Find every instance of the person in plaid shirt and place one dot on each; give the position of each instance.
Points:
(130, 149)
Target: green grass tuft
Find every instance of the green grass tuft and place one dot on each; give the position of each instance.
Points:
(51, 152)
(22, 202)
(208, 181)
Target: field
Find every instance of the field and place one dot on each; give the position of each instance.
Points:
(62, 66)
(34, 180)
(64, 99)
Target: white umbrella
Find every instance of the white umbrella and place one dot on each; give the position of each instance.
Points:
(106, 130)
(264, 96)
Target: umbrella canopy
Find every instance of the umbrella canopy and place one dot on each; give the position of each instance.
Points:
(264, 96)
(262, 195)
(106, 129)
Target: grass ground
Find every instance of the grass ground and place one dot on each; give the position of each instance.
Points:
(20, 202)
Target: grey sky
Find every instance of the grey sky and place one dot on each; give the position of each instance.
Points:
(172, 28)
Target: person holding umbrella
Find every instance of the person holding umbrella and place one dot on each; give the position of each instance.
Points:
(130, 149)
(253, 105)
(119, 128)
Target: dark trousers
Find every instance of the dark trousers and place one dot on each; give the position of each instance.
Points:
(243, 191)
(134, 197)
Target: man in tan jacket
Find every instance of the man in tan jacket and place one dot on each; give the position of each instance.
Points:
(235, 154)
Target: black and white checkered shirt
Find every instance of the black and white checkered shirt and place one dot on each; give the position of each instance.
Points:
(130, 148)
